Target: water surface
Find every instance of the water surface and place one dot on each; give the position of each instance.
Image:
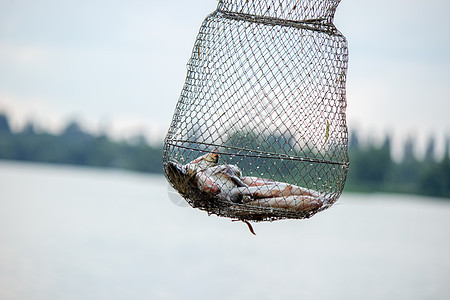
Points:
(83, 233)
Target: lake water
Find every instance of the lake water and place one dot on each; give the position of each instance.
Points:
(83, 233)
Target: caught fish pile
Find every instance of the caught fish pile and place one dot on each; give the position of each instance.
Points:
(203, 178)
(266, 87)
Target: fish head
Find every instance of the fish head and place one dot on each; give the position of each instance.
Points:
(206, 161)
(179, 176)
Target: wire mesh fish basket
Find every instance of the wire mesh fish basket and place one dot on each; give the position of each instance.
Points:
(259, 132)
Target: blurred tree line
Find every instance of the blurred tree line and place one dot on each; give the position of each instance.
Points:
(77, 147)
(372, 168)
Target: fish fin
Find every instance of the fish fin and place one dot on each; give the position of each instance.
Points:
(250, 227)
(238, 181)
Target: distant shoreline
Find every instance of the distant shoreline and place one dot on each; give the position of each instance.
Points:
(372, 168)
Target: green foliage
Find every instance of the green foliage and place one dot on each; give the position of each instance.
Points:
(372, 169)
(435, 180)
(369, 166)
(251, 152)
(76, 147)
(4, 125)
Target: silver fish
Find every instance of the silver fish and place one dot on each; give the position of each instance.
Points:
(184, 177)
(295, 203)
(226, 183)
(277, 189)
(222, 180)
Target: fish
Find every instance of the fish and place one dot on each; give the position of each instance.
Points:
(256, 181)
(205, 161)
(262, 191)
(184, 177)
(222, 180)
(180, 177)
(226, 183)
(294, 203)
(205, 175)
(277, 189)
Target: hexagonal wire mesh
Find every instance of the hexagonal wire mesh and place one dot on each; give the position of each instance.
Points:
(265, 94)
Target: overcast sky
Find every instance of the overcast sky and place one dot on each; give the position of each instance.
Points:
(121, 65)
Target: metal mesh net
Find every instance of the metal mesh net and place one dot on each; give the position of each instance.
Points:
(263, 106)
